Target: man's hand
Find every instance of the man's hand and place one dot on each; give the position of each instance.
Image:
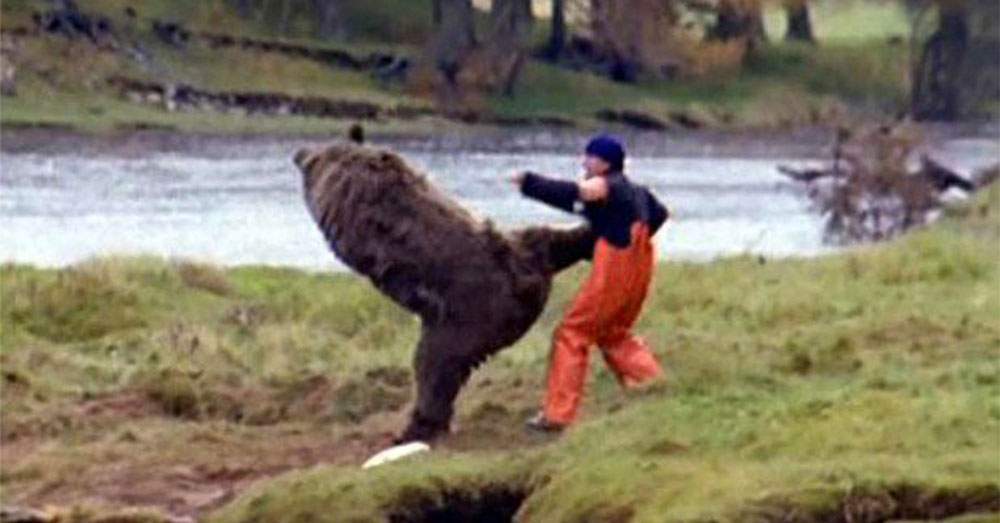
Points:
(593, 189)
(517, 178)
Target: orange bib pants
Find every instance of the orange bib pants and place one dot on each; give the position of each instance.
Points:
(603, 313)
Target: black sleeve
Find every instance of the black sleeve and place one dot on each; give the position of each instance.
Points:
(655, 212)
(557, 193)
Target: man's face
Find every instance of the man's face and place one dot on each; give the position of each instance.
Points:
(594, 166)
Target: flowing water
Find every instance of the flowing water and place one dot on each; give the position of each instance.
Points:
(232, 205)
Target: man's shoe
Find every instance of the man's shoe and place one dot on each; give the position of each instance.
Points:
(540, 423)
(651, 387)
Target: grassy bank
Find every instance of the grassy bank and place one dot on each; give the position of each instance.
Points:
(855, 72)
(866, 381)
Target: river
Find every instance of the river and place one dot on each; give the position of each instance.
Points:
(232, 203)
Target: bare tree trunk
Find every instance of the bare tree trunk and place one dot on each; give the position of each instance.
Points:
(510, 28)
(244, 8)
(455, 37)
(735, 21)
(511, 19)
(259, 9)
(286, 16)
(631, 36)
(621, 48)
(759, 30)
(799, 23)
(513, 73)
(557, 37)
(436, 12)
(328, 18)
(937, 77)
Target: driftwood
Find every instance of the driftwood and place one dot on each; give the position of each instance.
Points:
(941, 177)
(933, 172)
(805, 175)
(870, 192)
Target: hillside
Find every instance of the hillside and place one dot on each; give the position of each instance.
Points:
(858, 71)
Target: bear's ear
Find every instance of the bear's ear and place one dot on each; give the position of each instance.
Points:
(356, 134)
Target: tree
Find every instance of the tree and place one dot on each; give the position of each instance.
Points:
(454, 37)
(937, 76)
(285, 21)
(557, 36)
(327, 15)
(633, 35)
(739, 20)
(799, 23)
(436, 12)
(510, 28)
(277, 14)
(245, 8)
(954, 67)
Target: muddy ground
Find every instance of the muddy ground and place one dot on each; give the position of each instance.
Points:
(126, 450)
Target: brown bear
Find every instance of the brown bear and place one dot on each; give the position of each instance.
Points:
(476, 289)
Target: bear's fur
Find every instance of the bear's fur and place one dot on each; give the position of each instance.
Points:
(476, 289)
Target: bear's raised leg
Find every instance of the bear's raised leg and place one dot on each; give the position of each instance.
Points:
(442, 365)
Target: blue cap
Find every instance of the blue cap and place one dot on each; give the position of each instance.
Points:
(609, 149)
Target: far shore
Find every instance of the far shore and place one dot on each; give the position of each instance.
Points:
(798, 142)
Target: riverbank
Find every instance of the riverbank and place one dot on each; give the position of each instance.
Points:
(800, 142)
(861, 385)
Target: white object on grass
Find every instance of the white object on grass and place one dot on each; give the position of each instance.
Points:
(398, 452)
(953, 195)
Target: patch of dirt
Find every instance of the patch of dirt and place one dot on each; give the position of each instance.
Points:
(95, 413)
(126, 451)
(181, 471)
(129, 405)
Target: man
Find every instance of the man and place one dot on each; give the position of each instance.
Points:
(624, 217)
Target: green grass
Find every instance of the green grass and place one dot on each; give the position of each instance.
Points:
(787, 84)
(38, 104)
(854, 70)
(846, 21)
(65, 86)
(793, 385)
(854, 66)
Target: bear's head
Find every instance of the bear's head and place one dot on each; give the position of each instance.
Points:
(341, 175)
(350, 163)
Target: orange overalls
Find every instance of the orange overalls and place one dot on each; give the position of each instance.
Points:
(603, 313)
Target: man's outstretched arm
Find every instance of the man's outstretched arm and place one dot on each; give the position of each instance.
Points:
(560, 193)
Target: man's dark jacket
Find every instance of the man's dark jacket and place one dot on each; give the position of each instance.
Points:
(610, 218)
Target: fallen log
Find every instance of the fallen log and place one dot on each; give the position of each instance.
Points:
(806, 175)
(941, 177)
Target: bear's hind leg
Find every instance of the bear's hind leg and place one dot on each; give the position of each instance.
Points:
(442, 365)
